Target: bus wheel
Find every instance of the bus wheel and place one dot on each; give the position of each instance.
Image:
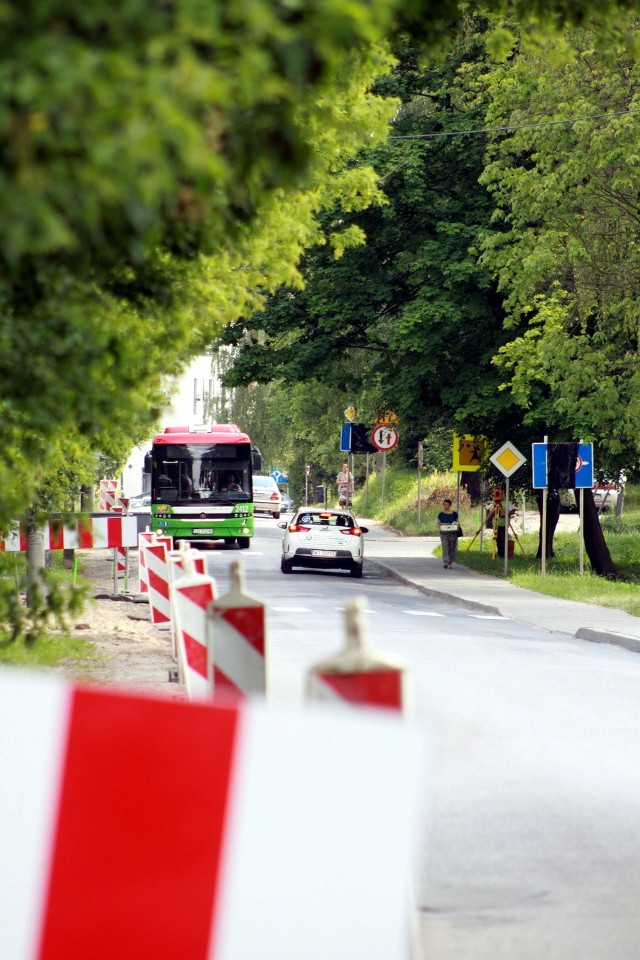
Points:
(244, 542)
(229, 540)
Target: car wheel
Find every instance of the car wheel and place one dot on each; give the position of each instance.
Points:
(276, 516)
(356, 570)
(244, 543)
(286, 566)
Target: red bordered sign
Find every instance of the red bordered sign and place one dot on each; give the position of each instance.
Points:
(384, 437)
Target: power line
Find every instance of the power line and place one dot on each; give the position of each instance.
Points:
(518, 126)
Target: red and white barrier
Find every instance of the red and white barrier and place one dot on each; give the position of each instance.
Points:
(157, 567)
(189, 860)
(356, 675)
(190, 599)
(180, 562)
(108, 500)
(90, 533)
(148, 536)
(120, 568)
(237, 641)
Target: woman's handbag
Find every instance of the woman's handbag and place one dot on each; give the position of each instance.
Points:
(460, 533)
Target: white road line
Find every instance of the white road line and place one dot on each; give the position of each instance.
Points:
(423, 613)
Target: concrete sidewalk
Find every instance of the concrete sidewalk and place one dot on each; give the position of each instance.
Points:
(411, 561)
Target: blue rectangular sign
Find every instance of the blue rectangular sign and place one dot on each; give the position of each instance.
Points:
(345, 438)
(539, 465)
(584, 466)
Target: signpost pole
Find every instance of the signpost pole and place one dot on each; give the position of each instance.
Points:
(506, 529)
(543, 542)
(420, 466)
(366, 488)
(482, 516)
(581, 533)
(384, 465)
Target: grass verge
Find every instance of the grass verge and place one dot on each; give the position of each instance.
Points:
(562, 577)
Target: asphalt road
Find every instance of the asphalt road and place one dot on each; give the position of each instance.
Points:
(532, 833)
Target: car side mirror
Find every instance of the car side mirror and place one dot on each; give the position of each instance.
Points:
(364, 529)
(283, 526)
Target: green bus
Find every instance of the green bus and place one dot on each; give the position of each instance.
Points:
(201, 483)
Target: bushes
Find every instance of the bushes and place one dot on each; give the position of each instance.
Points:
(400, 506)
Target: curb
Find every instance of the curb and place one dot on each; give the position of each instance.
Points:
(437, 594)
(603, 636)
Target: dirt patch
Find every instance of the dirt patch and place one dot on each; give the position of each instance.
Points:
(130, 651)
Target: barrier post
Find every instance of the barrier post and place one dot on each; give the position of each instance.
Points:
(177, 570)
(190, 599)
(236, 640)
(357, 675)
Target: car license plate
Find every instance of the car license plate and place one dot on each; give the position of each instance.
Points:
(203, 530)
(323, 553)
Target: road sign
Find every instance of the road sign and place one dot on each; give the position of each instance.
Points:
(507, 459)
(345, 438)
(468, 452)
(279, 476)
(350, 413)
(384, 437)
(584, 466)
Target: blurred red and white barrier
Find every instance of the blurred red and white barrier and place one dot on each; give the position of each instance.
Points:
(357, 675)
(136, 827)
(148, 536)
(237, 641)
(90, 533)
(190, 599)
(108, 498)
(156, 561)
(179, 561)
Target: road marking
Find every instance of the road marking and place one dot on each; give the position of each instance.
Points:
(423, 613)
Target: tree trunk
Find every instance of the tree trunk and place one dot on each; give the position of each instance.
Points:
(553, 515)
(35, 561)
(594, 542)
(86, 499)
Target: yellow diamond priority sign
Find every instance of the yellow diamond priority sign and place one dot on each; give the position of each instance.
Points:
(507, 459)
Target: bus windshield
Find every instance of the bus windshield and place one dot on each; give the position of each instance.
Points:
(217, 473)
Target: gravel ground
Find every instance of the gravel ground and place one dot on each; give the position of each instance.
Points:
(131, 651)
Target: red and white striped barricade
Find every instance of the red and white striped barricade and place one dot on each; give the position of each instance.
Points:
(179, 560)
(148, 536)
(190, 599)
(357, 675)
(89, 533)
(157, 567)
(84, 874)
(108, 501)
(120, 569)
(237, 641)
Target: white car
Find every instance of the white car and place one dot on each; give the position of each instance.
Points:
(266, 496)
(323, 539)
(605, 495)
(140, 503)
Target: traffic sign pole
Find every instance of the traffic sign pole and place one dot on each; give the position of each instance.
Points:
(506, 529)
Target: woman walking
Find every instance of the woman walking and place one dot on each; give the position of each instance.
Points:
(448, 528)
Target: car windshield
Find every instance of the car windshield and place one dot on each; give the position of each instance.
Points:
(326, 520)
